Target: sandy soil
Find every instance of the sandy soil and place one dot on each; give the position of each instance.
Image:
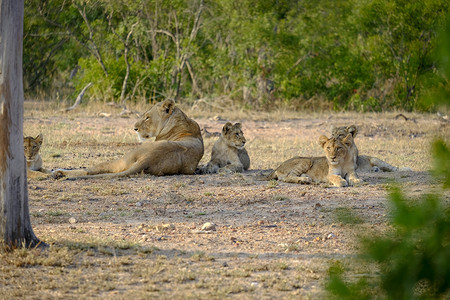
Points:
(255, 221)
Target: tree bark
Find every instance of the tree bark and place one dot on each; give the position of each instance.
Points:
(15, 225)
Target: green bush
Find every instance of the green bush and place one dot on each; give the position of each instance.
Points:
(368, 55)
(413, 259)
(414, 256)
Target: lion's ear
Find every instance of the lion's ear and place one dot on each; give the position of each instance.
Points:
(167, 106)
(238, 125)
(352, 129)
(227, 127)
(348, 140)
(322, 140)
(39, 139)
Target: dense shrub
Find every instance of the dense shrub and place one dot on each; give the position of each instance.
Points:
(366, 55)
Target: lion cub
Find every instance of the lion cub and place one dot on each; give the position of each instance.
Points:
(363, 163)
(336, 167)
(31, 147)
(228, 152)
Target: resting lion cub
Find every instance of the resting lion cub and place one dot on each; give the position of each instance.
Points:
(31, 147)
(363, 163)
(177, 149)
(228, 152)
(336, 167)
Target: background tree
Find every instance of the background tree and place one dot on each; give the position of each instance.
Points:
(15, 226)
(413, 256)
(368, 55)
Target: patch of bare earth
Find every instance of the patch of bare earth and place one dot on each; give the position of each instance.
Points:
(141, 236)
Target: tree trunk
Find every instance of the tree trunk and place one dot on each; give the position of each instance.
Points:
(15, 225)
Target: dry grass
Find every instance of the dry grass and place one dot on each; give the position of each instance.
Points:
(136, 237)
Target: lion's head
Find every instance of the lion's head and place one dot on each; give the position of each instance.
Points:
(336, 149)
(152, 121)
(165, 121)
(32, 146)
(343, 131)
(233, 135)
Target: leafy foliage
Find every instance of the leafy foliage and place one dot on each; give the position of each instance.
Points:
(414, 259)
(366, 55)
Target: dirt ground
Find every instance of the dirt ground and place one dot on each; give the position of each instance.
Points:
(271, 239)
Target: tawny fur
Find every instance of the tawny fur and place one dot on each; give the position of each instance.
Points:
(177, 148)
(228, 153)
(363, 163)
(31, 147)
(336, 167)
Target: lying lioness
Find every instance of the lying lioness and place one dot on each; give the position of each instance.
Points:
(336, 167)
(364, 163)
(177, 149)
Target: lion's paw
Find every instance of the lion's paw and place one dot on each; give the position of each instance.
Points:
(304, 178)
(341, 183)
(225, 171)
(356, 181)
(58, 174)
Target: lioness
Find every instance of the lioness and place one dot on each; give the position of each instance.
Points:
(31, 147)
(363, 163)
(228, 152)
(177, 149)
(336, 166)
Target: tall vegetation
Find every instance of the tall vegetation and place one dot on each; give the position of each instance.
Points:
(414, 256)
(362, 55)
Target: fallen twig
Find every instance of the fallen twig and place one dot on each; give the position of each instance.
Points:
(79, 98)
(404, 117)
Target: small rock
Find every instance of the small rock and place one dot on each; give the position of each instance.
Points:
(139, 203)
(331, 236)
(72, 220)
(165, 227)
(254, 284)
(209, 227)
(218, 118)
(104, 115)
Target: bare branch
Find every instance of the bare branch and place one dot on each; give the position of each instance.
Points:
(126, 45)
(166, 33)
(195, 88)
(95, 51)
(138, 83)
(196, 25)
(79, 98)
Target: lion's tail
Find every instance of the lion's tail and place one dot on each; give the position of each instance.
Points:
(264, 176)
(134, 169)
